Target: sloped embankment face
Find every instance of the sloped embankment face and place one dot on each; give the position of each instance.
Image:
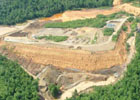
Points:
(75, 59)
(130, 9)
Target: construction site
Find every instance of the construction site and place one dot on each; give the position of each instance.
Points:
(77, 61)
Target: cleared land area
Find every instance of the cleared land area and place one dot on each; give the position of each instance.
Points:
(5, 30)
(69, 66)
(77, 59)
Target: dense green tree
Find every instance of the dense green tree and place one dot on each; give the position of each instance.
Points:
(130, 0)
(14, 11)
(15, 83)
(54, 90)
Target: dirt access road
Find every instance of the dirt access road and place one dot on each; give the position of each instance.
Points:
(84, 85)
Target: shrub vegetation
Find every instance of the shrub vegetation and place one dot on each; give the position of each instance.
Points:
(54, 90)
(130, 35)
(116, 36)
(124, 28)
(127, 47)
(98, 22)
(130, 19)
(108, 31)
(54, 38)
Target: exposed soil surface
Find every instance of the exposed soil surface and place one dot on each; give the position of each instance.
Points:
(116, 2)
(35, 58)
(5, 29)
(19, 34)
(54, 17)
(74, 59)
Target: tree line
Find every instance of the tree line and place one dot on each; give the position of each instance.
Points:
(15, 83)
(130, 0)
(16, 11)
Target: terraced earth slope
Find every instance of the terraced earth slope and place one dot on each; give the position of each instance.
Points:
(76, 59)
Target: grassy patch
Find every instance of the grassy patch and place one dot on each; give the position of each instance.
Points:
(54, 38)
(136, 3)
(130, 35)
(127, 47)
(95, 39)
(116, 36)
(108, 31)
(98, 22)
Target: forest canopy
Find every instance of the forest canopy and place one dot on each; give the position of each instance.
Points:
(16, 11)
(130, 0)
(15, 83)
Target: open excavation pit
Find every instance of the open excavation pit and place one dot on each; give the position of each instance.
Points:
(73, 59)
(70, 59)
(72, 65)
(76, 53)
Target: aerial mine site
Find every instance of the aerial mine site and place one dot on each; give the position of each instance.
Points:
(72, 51)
